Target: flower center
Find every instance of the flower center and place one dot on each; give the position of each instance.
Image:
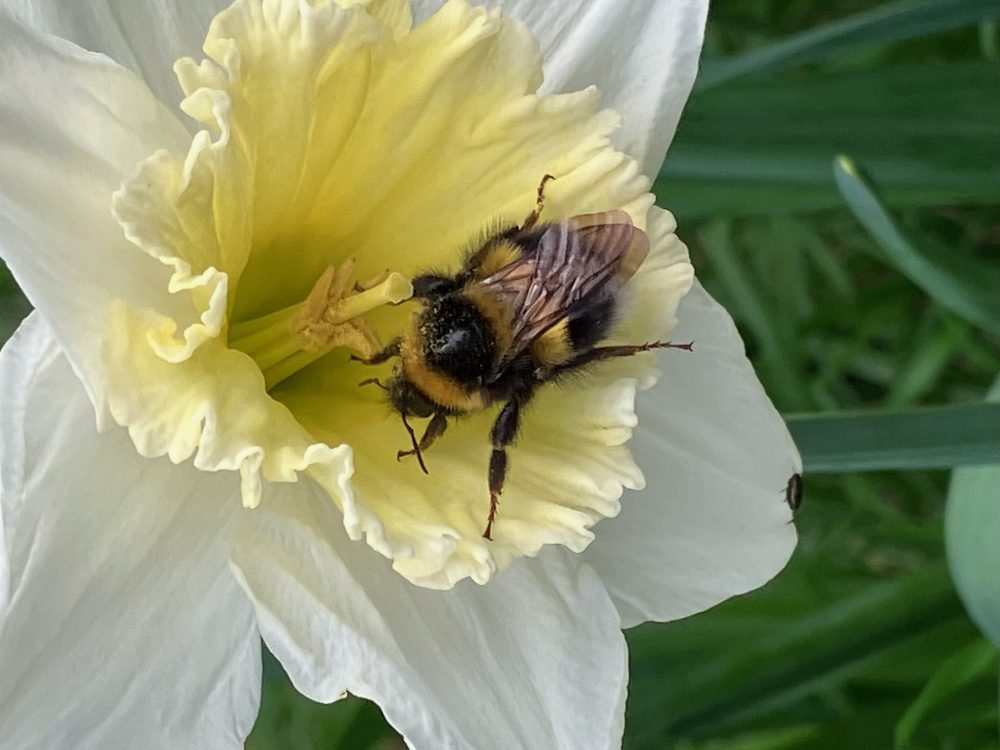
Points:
(336, 131)
(284, 342)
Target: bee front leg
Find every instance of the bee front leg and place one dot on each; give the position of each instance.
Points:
(503, 434)
(435, 429)
(390, 351)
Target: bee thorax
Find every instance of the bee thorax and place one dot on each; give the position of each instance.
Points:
(457, 340)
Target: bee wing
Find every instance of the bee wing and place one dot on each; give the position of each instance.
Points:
(638, 244)
(575, 259)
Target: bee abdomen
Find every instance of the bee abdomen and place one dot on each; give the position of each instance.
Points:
(591, 322)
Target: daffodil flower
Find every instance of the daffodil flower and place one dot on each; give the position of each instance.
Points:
(187, 461)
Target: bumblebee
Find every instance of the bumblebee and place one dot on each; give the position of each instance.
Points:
(528, 306)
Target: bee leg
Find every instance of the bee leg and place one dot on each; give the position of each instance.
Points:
(611, 352)
(503, 433)
(539, 204)
(435, 429)
(390, 351)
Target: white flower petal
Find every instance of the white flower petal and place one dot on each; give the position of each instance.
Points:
(124, 627)
(713, 522)
(648, 81)
(145, 36)
(642, 55)
(74, 125)
(533, 660)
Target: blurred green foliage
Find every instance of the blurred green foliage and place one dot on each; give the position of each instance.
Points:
(862, 642)
(872, 295)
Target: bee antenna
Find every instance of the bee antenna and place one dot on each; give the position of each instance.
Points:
(416, 445)
(374, 381)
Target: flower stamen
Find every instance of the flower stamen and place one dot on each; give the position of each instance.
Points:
(286, 341)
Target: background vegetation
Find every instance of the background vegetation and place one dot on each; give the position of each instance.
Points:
(867, 288)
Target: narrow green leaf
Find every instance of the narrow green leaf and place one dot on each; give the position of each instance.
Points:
(751, 666)
(888, 23)
(972, 538)
(965, 287)
(989, 40)
(941, 437)
(966, 665)
(747, 300)
(925, 367)
(803, 236)
(783, 738)
(927, 133)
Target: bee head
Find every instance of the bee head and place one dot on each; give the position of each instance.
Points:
(407, 399)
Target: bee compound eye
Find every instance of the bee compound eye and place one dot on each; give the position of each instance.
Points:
(421, 409)
(417, 404)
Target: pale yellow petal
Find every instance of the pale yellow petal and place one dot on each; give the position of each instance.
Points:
(186, 409)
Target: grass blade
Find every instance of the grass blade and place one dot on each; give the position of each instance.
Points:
(927, 132)
(941, 437)
(976, 660)
(967, 288)
(889, 23)
(765, 666)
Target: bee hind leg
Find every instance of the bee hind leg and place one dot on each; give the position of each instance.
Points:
(390, 351)
(534, 216)
(503, 434)
(601, 353)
